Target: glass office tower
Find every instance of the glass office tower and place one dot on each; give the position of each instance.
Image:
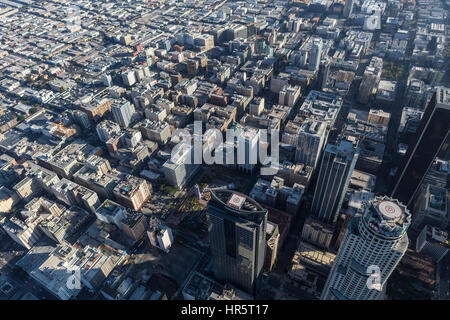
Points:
(430, 138)
(237, 232)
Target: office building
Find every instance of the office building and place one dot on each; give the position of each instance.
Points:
(200, 287)
(111, 212)
(348, 8)
(310, 142)
(134, 224)
(317, 233)
(122, 112)
(433, 242)
(132, 192)
(25, 235)
(278, 195)
(315, 55)
(430, 138)
(179, 170)
(237, 232)
(430, 208)
(107, 129)
(289, 96)
(53, 267)
(82, 119)
(65, 227)
(158, 131)
(371, 249)
(95, 108)
(128, 78)
(370, 79)
(335, 172)
(247, 151)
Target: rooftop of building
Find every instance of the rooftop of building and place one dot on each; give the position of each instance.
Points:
(437, 198)
(110, 208)
(236, 203)
(387, 217)
(345, 151)
(200, 287)
(129, 185)
(438, 236)
(310, 256)
(132, 218)
(443, 97)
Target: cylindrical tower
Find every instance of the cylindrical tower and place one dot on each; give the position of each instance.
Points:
(372, 247)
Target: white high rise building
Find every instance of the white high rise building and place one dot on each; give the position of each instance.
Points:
(181, 167)
(247, 150)
(372, 247)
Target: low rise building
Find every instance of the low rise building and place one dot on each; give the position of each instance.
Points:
(200, 287)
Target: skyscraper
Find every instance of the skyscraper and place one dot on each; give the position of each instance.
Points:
(311, 140)
(371, 78)
(430, 138)
(316, 54)
(237, 232)
(348, 8)
(247, 150)
(82, 119)
(372, 247)
(122, 113)
(335, 172)
(324, 74)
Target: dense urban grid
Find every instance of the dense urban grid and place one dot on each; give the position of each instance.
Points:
(103, 105)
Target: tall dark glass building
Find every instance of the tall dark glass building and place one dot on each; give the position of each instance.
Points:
(430, 139)
(336, 168)
(237, 232)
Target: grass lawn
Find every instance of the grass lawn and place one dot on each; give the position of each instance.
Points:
(392, 70)
(169, 189)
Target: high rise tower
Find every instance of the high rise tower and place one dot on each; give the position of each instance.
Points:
(316, 54)
(335, 172)
(237, 232)
(431, 136)
(247, 151)
(311, 139)
(372, 247)
(324, 74)
(122, 113)
(348, 8)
